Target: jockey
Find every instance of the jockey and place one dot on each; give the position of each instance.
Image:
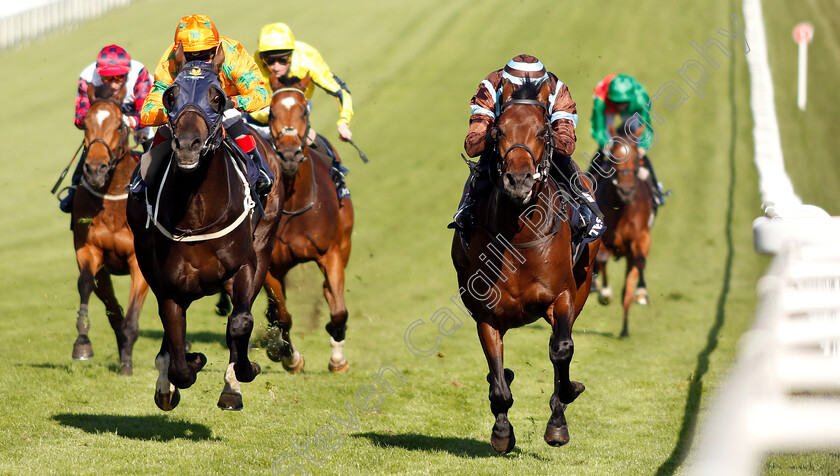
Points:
(484, 106)
(284, 62)
(240, 80)
(620, 94)
(115, 69)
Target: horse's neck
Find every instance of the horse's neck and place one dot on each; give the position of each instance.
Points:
(300, 187)
(122, 174)
(524, 222)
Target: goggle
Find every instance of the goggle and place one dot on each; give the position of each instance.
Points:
(284, 59)
(114, 79)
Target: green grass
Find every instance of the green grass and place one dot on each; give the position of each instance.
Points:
(412, 68)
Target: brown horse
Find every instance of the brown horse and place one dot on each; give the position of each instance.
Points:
(628, 214)
(198, 237)
(315, 226)
(103, 241)
(518, 267)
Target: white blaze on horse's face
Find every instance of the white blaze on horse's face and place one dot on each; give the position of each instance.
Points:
(288, 103)
(101, 116)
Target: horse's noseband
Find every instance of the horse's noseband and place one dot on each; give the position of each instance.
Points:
(540, 166)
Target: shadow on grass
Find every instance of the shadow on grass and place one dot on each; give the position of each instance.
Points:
(145, 427)
(591, 332)
(463, 447)
(695, 388)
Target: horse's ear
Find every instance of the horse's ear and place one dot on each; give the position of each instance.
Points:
(304, 83)
(545, 91)
(91, 92)
(169, 97)
(218, 58)
(507, 91)
(180, 58)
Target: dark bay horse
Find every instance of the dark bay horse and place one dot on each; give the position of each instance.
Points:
(628, 214)
(198, 237)
(315, 226)
(518, 267)
(103, 241)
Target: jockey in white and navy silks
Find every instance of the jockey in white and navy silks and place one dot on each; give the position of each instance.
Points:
(485, 108)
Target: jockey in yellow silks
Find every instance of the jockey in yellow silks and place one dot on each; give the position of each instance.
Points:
(285, 62)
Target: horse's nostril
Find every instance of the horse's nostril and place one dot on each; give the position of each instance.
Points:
(176, 144)
(195, 144)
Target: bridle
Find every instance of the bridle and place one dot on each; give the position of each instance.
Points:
(114, 156)
(540, 166)
(289, 130)
(214, 128)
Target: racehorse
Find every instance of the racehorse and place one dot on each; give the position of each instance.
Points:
(628, 214)
(198, 236)
(316, 226)
(517, 266)
(103, 241)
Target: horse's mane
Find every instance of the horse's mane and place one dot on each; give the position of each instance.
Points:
(528, 90)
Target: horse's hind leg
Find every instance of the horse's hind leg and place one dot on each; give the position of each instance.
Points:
(90, 260)
(641, 295)
(502, 438)
(125, 332)
(560, 350)
(333, 268)
(636, 261)
(280, 347)
(131, 324)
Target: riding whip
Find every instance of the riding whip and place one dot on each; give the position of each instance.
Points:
(361, 154)
(64, 172)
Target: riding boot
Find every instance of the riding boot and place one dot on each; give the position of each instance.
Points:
(259, 175)
(66, 203)
(590, 223)
(338, 172)
(653, 184)
(477, 184)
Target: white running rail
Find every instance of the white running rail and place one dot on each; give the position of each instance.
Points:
(20, 28)
(781, 394)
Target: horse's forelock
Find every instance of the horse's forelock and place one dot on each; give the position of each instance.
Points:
(528, 90)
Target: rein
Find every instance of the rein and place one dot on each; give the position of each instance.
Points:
(114, 156)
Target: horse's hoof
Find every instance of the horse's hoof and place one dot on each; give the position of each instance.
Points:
(274, 351)
(196, 360)
(604, 299)
(230, 401)
(294, 367)
(503, 445)
(339, 367)
(579, 387)
(82, 348)
(555, 436)
(246, 376)
(642, 298)
(126, 368)
(168, 401)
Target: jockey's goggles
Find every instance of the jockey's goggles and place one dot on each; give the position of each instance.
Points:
(114, 79)
(271, 59)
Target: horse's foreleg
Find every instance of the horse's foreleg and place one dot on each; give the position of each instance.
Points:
(333, 270)
(89, 261)
(560, 351)
(240, 324)
(167, 395)
(604, 290)
(502, 438)
(183, 367)
(641, 295)
(280, 347)
(630, 280)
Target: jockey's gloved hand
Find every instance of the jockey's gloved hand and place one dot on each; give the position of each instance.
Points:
(130, 121)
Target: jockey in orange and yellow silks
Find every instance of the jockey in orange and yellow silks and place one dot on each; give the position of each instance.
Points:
(240, 79)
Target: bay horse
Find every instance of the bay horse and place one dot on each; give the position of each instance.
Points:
(101, 236)
(197, 237)
(627, 205)
(517, 266)
(315, 226)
